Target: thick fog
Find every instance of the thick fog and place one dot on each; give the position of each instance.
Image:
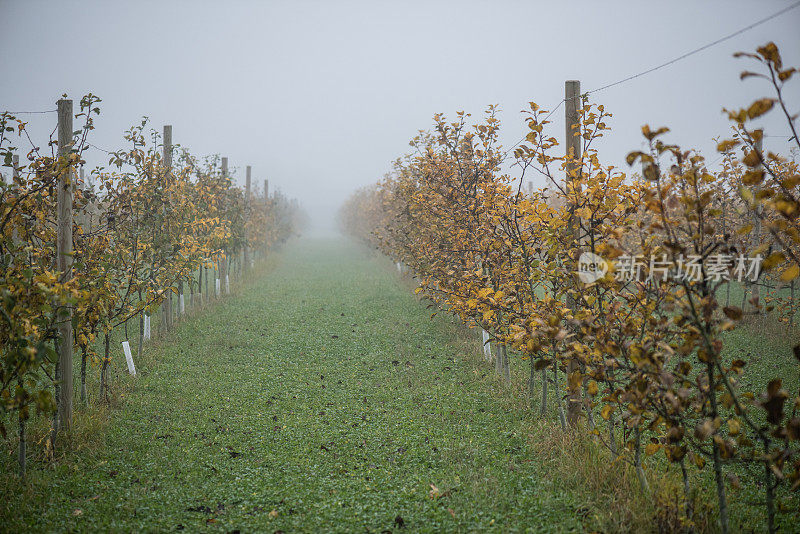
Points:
(320, 97)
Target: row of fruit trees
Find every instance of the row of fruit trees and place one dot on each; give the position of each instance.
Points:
(147, 228)
(616, 288)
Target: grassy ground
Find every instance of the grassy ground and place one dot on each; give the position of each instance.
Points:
(321, 398)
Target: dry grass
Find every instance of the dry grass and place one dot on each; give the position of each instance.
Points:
(616, 501)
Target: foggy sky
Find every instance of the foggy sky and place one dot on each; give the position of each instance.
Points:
(320, 97)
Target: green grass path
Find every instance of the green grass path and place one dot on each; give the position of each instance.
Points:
(321, 398)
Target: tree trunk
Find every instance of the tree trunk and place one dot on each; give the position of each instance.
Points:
(57, 391)
(83, 375)
(179, 311)
(770, 491)
(561, 415)
(574, 399)
(22, 442)
(506, 366)
(744, 295)
(722, 498)
(164, 317)
(727, 293)
(22, 448)
(637, 460)
(170, 314)
(104, 369)
(612, 435)
(587, 406)
(687, 494)
(543, 407)
(532, 385)
(140, 346)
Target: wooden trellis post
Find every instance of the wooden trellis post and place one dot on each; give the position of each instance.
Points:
(572, 100)
(166, 307)
(64, 261)
(755, 292)
(266, 201)
(223, 263)
(246, 218)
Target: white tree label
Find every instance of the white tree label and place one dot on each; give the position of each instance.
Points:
(216, 287)
(146, 327)
(181, 304)
(227, 285)
(126, 348)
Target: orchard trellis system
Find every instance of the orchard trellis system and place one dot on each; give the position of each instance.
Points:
(81, 258)
(635, 362)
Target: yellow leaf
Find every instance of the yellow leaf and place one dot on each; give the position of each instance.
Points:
(752, 159)
(733, 312)
(726, 145)
(753, 177)
(791, 273)
(734, 426)
(651, 448)
(759, 107)
(699, 461)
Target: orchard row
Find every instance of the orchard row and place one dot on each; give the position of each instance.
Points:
(84, 255)
(637, 360)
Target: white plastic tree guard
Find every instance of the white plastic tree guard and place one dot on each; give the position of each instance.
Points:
(126, 348)
(487, 347)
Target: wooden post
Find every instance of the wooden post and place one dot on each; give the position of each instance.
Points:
(168, 146)
(725, 234)
(23, 443)
(167, 155)
(223, 262)
(200, 285)
(168, 165)
(266, 201)
(64, 259)
(572, 96)
(247, 216)
(756, 292)
(14, 176)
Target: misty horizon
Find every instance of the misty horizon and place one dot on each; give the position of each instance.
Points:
(320, 99)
